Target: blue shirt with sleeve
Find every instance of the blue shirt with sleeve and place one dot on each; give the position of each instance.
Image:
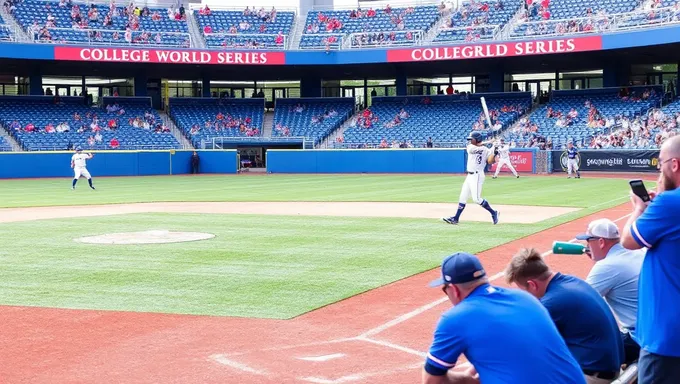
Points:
(616, 278)
(507, 336)
(658, 229)
(586, 323)
(571, 152)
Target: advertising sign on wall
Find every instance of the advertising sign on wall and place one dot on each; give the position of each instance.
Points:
(478, 51)
(170, 56)
(522, 161)
(610, 160)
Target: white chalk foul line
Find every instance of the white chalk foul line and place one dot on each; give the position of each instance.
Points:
(393, 346)
(400, 319)
(323, 357)
(222, 359)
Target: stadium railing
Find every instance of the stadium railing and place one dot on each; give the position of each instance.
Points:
(107, 38)
(352, 42)
(219, 142)
(248, 36)
(601, 23)
(629, 376)
(495, 33)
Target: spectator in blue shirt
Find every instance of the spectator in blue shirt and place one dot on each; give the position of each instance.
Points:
(656, 226)
(615, 276)
(506, 335)
(581, 315)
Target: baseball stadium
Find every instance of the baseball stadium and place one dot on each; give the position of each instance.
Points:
(253, 192)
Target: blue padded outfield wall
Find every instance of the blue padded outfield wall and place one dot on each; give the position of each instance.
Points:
(366, 161)
(116, 163)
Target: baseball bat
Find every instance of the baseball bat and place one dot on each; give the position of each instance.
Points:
(486, 111)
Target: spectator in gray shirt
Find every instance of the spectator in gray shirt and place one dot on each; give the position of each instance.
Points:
(615, 276)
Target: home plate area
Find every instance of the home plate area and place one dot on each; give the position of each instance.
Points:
(334, 362)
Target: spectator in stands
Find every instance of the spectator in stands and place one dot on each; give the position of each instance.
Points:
(583, 319)
(615, 276)
(114, 143)
(655, 226)
(90, 141)
(182, 11)
(522, 346)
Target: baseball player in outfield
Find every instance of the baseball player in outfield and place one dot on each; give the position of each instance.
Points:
(572, 163)
(80, 167)
(504, 159)
(478, 157)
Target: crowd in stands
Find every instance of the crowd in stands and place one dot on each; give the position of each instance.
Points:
(473, 20)
(65, 21)
(251, 28)
(228, 125)
(385, 26)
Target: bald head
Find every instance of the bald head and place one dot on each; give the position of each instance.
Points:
(671, 147)
(669, 164)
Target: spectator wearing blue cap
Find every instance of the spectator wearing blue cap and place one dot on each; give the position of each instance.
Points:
(583, 318)
(655, 225)
(506, 335)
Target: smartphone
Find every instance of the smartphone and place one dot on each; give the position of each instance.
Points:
(639, 189)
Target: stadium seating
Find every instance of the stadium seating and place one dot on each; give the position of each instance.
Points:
(5, 33)
(478, 23)
(221, 21)
(164, 32)
(447, 119)
(578, 16)
(421, 19)
(605, 100)
(41, 110)
(4, 145)
(308, 122)
(187, 112)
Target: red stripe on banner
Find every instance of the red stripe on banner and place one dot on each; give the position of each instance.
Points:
(522, 161)
(170, 56)
(476, 51)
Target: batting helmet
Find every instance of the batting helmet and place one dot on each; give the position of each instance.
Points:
(477, 136)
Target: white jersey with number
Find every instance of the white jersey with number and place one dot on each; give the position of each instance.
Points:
(504, 152)
(79, 159)
(477, 156)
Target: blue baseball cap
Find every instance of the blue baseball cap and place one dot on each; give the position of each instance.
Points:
(78, 148)
(460, 268)
(475, 135)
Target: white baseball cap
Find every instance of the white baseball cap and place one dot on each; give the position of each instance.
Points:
(601, 228)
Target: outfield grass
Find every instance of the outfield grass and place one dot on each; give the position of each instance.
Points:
(546, 191)
(256, 266)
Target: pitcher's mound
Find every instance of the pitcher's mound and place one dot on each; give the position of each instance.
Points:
(145, 237)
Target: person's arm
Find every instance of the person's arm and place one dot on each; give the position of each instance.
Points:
(451, 378)
(447, 346)
(647, 222)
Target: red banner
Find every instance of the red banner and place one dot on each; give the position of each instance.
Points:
(477, 51)
(522, 161)
(178, 56)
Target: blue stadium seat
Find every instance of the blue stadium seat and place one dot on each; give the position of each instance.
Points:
(476, 23)
(4, 145)
(421, 19)
(221, 21)
(318, 118)
(445, 120)
(606, 101)
(164, 32)
(43, 111)
(187, 112)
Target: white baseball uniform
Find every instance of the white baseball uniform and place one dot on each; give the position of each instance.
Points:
(80, 166)
(476, 162)
(504, 154)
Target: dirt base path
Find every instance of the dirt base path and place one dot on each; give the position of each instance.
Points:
(509, 213)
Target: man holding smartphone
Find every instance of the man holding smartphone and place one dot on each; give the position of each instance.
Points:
(655, 226)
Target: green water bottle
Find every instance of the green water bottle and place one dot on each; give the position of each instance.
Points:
(566, 248)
